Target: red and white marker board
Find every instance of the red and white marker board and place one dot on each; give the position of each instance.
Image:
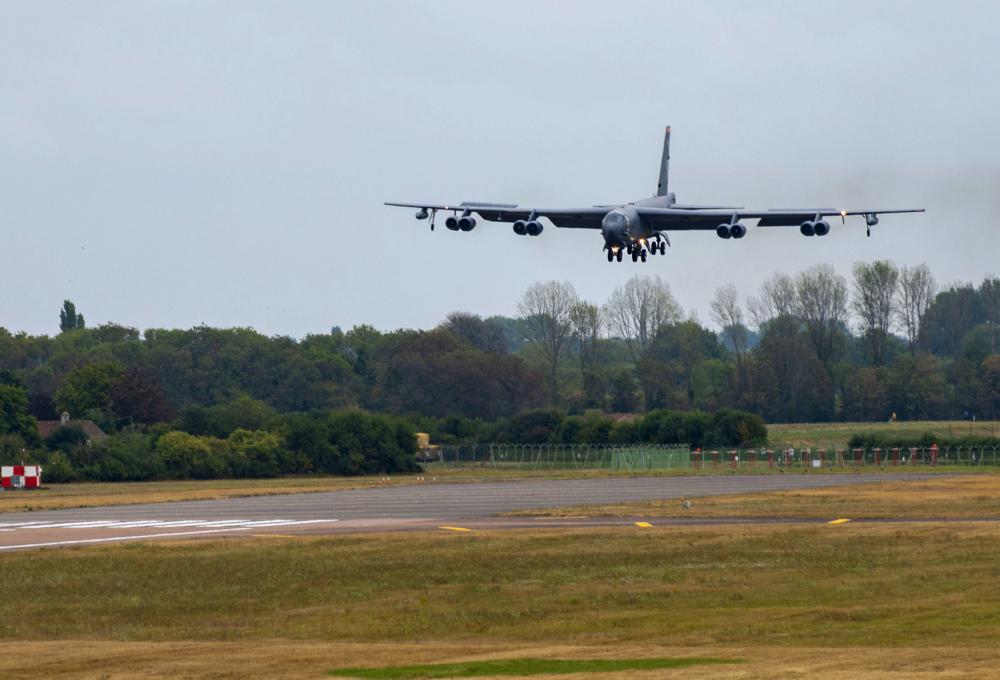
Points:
(20, 476)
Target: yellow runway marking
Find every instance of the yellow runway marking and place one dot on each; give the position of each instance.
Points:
(644, 525)
(454, 528)
(839, 521)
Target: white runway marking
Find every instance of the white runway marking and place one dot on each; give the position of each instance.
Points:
(163, 524)
(198, 528)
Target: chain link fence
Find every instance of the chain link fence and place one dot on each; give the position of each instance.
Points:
(639, 457)
(611, 457)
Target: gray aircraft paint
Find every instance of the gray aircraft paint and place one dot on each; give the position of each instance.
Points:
(638, 227)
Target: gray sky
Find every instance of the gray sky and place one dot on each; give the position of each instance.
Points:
(165, 164)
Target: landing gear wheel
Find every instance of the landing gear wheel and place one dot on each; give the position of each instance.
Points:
(643, 254)
(618, 256)
(611, 255)
(635, 255)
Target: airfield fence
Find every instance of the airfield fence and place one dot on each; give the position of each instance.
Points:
(640, 457)
(611, 457)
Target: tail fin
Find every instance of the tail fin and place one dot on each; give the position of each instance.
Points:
(661, 188)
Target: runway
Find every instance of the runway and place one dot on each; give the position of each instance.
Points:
(426, 505)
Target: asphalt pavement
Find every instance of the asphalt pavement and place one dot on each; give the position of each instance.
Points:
(422, 505)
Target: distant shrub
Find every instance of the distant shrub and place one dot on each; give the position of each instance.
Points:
(871, 440)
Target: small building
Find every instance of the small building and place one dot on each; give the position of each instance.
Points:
(90, 428)
(20, 477)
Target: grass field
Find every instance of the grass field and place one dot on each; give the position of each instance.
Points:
(522, 667)
(835, 435)
(854, 600)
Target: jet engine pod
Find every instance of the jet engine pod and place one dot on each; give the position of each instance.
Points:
(738, 231)
(452, 223)
(520, 227)
(808, 228)
(467, 223)
(421, 214)
(534, 228)
(723, 231)
(822, 228)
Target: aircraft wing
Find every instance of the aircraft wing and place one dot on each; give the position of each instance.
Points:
(660, 219)
(670, 219)
(572, 218)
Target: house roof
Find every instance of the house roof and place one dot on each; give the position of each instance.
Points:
(89, 427)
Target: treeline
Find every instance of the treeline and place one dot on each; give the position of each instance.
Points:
(552, 426)
(814, 346)
(339, 443)
(247, 439)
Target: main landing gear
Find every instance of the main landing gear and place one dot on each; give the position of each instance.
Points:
(638, 250)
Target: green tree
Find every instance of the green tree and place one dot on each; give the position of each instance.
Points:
(622, 393)
(14, 417)
(255, 453)
(917, 389)
(11, 448)
(438, 375)
(952, 314)
(69, 319)
(88, 388)
(790, 382)
(138, 398)
(991, 378)
(185, 456)
(865, 397)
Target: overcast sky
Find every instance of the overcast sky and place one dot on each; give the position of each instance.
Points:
(166, 164)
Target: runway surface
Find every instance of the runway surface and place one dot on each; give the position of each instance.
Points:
(427, 505)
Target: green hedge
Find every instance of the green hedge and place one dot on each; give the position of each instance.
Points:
(871, 440)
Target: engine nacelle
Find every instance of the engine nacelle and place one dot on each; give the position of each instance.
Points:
(452, 223)
(723, 231)
(467, 223)
(808, 228)
(421, 214)
(520, 227)
(822, 228)
(534, 228)
(737, 231)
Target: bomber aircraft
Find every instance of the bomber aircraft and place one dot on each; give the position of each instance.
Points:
(639, 228)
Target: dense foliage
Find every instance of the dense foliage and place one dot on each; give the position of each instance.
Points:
(208, 402)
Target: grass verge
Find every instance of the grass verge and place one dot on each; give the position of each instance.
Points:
(836, 435)
(848, 585)
(521, 667)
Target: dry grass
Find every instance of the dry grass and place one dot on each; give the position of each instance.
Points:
(835, 435)
(289, 659)
(967, 496)
(794, 585)
(849, 601)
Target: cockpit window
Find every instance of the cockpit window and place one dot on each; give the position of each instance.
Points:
(614, 220)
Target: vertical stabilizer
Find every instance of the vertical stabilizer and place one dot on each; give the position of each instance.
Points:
(661, 188)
